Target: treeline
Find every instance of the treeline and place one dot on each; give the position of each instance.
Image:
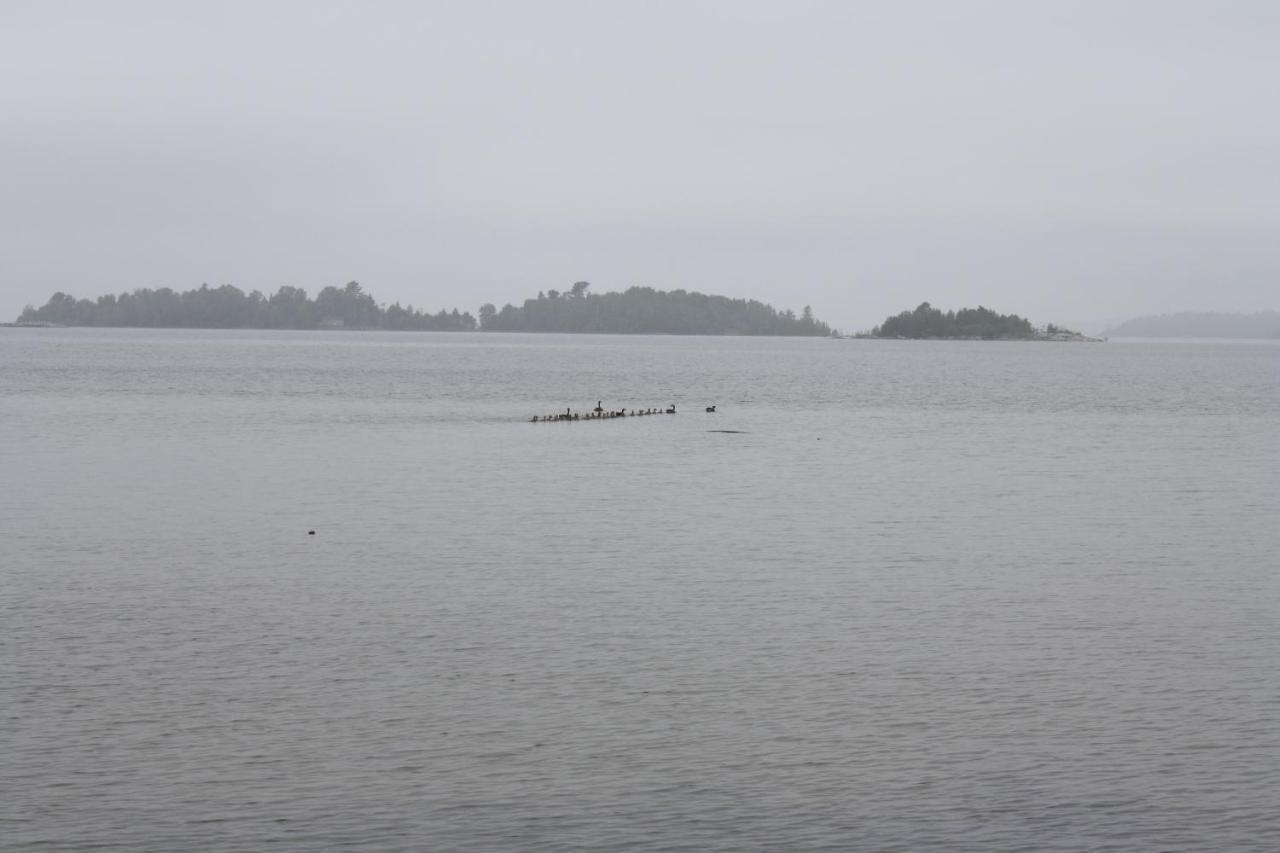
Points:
(228, 307)
(639, 310)
(929, 322)
(643, 310)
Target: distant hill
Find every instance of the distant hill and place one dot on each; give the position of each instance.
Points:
(645, 311)
(1191, 324)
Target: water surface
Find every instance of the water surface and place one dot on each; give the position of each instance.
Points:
(926, 595)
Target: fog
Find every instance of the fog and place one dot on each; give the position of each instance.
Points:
(1073, 162)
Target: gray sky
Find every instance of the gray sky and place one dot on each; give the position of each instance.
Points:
(1073, 162)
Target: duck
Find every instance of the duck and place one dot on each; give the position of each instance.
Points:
(710, 409)
(671, 410)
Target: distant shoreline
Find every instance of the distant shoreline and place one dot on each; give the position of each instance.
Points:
(637, 310)
(1260, 325)
(342, 329)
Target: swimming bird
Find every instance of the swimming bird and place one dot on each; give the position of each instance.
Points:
(711, 408)
(671, 410)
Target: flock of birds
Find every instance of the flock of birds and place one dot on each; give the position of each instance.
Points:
(600, 413)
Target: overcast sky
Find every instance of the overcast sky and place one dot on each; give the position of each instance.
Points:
(1072, 162)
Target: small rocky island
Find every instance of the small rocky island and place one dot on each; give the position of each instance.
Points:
(968, 324)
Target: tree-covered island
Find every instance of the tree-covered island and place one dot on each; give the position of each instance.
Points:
(228, 307)
(639, 310)
(643, 310)
(968, 324)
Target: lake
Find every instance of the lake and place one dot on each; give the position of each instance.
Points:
(891, 595)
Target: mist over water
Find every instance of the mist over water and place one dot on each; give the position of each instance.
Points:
(927, 595)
